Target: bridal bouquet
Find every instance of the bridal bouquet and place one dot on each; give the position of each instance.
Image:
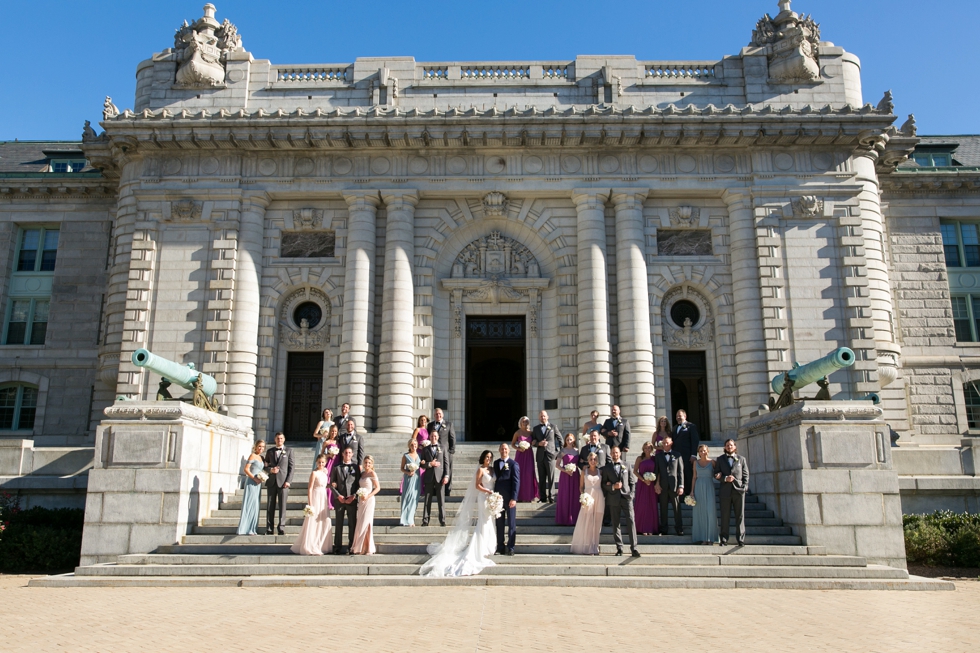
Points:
(523, 445)
(261, 477)
(425, 443)
(411, 469)
(570, 468)
(333, 450)
(649, 477)
(308, 510)
(689, 501)
(363, 493)
(495, 504)
(586, 500)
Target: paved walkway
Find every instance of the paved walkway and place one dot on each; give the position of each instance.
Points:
(376, 620)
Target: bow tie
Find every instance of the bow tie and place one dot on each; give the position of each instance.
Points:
(279, 449)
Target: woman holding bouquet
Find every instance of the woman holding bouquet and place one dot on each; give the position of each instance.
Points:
(704, 523)
(647, 514)
(364, 534)
(421, 432)
(585, 538)
(314, 538)
(567, 506)
(249, 519)
(331, 451)
(411, 482)
(521, 443)
(663, 430)
(320, 435)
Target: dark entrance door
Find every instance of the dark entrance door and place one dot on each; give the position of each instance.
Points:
(304, 393)
(495, 377)
(689, 389)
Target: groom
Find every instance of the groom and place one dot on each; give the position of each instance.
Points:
(507, 484)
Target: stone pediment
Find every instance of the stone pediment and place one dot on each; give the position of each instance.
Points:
(495, 256)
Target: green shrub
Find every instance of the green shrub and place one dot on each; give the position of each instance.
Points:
(965, 546)
(926, 544)
(943, 538)
(39, 539)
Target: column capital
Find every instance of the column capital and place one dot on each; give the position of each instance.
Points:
(400, 199)
(362, 199)
(732, 197)
(259, 199)
(629, 198)
(590, 198)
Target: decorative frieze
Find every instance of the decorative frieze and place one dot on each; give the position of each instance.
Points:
(808, 207)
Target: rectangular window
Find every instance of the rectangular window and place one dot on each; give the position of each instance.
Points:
(67, 165)
(951, 245)
(933, 159)
(27, 322)
(972, 396)
(38, 250)
(18, 407)
(971, 244)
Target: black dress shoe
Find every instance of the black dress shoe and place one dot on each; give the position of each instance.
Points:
(723, 543)
(619, 552)
(269, 531)
(281, 532)
(510, 552)
(680, 533)
(741, 542)
(425, 523)
(635, 553)
(550, 500)
(443, 524)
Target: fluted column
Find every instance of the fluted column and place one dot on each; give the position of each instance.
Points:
(751, 359)
(243, 350)
(396, 380)
(634, 352)
(594, 361)
(355, 384)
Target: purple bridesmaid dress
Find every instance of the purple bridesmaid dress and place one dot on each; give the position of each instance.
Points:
(645, 508)
(567, 505)
(528, 491)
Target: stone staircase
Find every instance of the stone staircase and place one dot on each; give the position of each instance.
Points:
(214, 555)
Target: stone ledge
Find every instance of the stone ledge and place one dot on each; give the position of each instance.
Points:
(171, 411)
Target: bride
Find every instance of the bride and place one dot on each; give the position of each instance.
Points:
(473, 537)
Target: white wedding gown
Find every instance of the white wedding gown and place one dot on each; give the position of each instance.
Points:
(467, 549)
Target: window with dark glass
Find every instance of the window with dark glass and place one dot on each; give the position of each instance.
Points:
(67, 165)
(38, 250)
(27, 322)
(18, 407)
(961, 243)
(951, 245)
(972, 396)
(966, 317)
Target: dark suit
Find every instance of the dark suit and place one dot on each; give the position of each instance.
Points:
(670, 475)
(353, 442)
(620, 501)
(507, 483)
(275, 487)
(341, 422)
(544, 457)
(601, 452)
(432, 481)
(617, 433)
(732, 495)
(345, 481)
(447, 440)
(686, 441)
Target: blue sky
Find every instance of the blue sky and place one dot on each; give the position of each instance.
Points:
(60, 58)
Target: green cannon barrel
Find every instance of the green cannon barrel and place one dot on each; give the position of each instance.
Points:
(803, 375)
(182, 375)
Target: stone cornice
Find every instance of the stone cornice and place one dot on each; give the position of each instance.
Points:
(932, 182)
(172, 411)
(39, 188)
(812, 411)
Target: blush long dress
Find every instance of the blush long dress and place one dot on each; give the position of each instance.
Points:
(567, 505)
(585, 538)
(364, 533)
(646, 510)
(528, 491)
(314, 538)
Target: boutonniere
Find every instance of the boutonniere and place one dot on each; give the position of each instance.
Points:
(506, 467)
(735, 457)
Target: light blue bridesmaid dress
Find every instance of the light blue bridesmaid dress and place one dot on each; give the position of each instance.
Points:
(410, 493)
(250, 501)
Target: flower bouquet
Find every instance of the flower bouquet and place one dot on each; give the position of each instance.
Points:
(308, 510)
(261, 477)
(363, 493)
(689, 501)
(649, 477)
(495, 504)
(523, 445)
(425, 443)
(586, 500)
(333, 450)
(411, 469)
(570, 468)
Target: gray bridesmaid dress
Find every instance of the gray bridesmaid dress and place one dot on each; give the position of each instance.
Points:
(704, 521)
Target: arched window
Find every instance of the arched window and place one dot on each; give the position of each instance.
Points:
(18, 407)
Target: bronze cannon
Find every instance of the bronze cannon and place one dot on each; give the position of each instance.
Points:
(803, 375)
(202, 385)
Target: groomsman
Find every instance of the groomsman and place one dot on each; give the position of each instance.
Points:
(448, 436)
(349, 440)
(670, 480)
(279, 462)
(686, 441)
(341, 420)
(619, 487)
(616, 431)
(435, 478)
(508, 482)
(545, 437)
(593, 446)
(345, 480)
(733, 472)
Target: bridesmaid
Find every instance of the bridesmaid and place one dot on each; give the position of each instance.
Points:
(410, 484)
(320, 433)
(249, 520)
(314, 538)
(528, 491)
(704, 524)
(663, 430)
(567, 506)
(588, 526)
(364, 533)
(328, 442)
(645, 502)
(421, 433)
(592, 425)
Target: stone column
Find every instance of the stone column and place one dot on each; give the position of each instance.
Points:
(243, 352)
(355, 384)
(635, 350)
(750, 346)
(396, 379)
(594, 360)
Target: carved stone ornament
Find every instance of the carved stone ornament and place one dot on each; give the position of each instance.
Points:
(792, 44)
(494, 291)
(688, 335)
(909, 128)
(201, 49)
(808, 206)
(685, 216)
(185, 210)
(307, 218)
(109, 110)
(495, 256)
(494, 203)
(300, 337)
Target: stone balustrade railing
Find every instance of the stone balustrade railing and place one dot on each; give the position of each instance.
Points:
(673, 71)
(312, 75)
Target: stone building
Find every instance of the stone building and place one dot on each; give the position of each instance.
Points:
(493, 238)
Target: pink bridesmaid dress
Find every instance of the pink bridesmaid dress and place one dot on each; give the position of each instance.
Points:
(585, 538)
(364, 533)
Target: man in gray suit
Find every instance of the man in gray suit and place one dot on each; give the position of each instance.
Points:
(345, 480)
(733, 472)
(545, 436)
(593, 446)
(619, 487)
(349, 440)
(279, 462)
(447, 435)
(434, 478)
(670, 480)
(341, 420)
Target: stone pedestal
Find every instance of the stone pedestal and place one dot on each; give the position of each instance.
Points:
(160, 467)
(825, 468)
